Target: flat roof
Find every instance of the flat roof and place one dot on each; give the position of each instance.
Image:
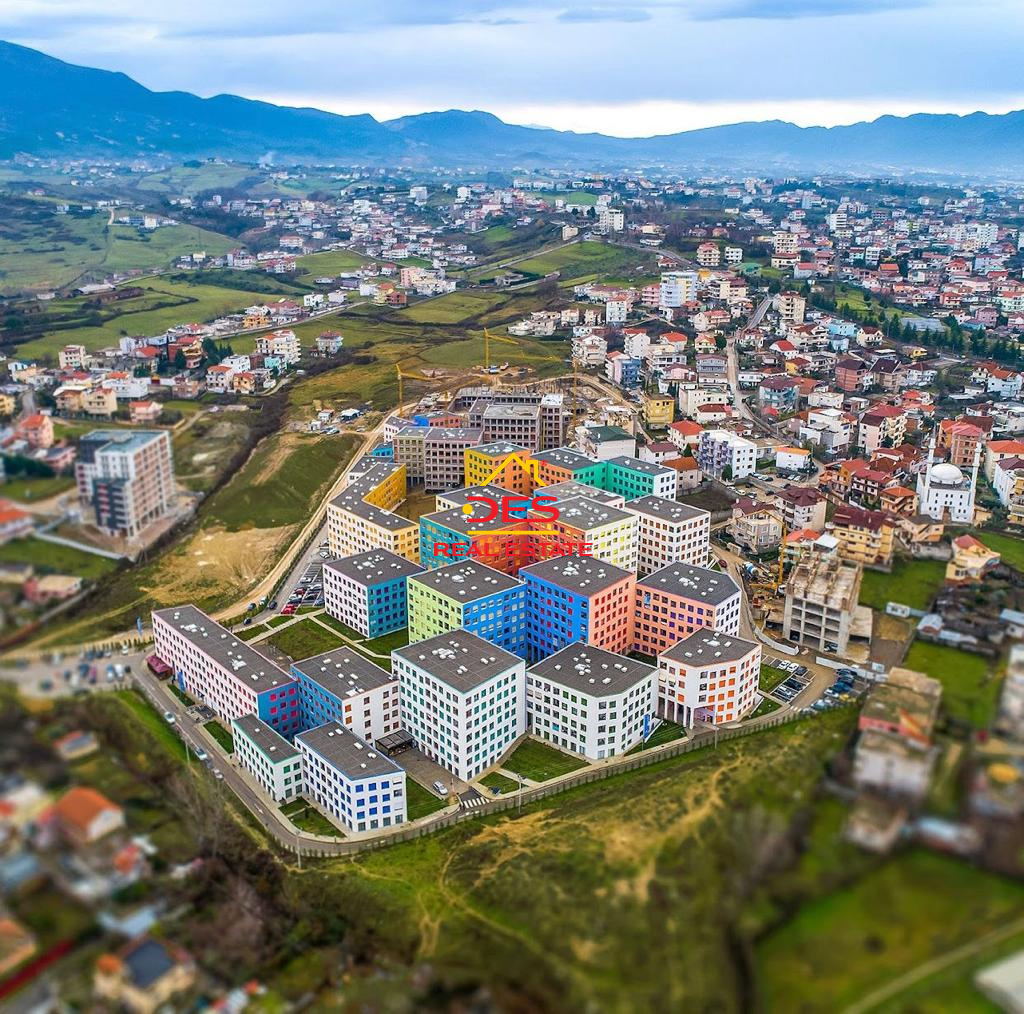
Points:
(455, 520)
(500, 448)
(583, 513)
(665, 510)
(708, 647)
(459, 658)
(344, 750)
(711, 586)
(352, 498)
(512, 411)
(268, 741)
(453, 434)
(638, 465)
(248, 665)
(460, 497)
(591, 670)
(569, 489)
(564, 457)
(585, 574)
(466, 581)
(375, 566)
(343, 672)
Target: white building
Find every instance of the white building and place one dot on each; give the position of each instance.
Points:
(943, 490)
(669, 532)
(677, 288)
(351, 780)
(367, 591)
(463, 700)
(708, 677)
(611, 220)
(268, 757)
(719, 450)
(616, 311)
(589, 701)
(283, 343)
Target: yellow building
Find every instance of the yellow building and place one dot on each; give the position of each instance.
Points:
(659, 410)
(361, 517)
(971, 561)
(100, 401)
(864, 537)
(501, 464)
(7, 405)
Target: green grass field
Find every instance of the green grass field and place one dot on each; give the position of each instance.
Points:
(49, 558)
(330, 263)
(307, 818)
(303, 639)
(498, 781)
(221, 734)
(912, 582)
(969, 688)
(584, 261)
(1011, 549)
(915, 907)
(667, 732)
(34, 490)
(539, 762)
(771, 678)
(421, 802)
(272, 490)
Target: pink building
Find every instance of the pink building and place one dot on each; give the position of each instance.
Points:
(675, 601)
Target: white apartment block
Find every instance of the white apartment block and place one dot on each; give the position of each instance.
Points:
(677, 288)
(669, 532)
(284, 344)
(367, 591)
(722, 449)
(589, 701)
(463, 700)
(268, 757)
(350, 780)
(708, 677)
(215, 668)
(611, 220)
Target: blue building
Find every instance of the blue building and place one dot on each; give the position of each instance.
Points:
(367, 591)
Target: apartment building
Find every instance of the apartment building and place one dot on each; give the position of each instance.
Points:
(283, 344)
(589, 701)
(518, 424)
(863, 536)
(268, 757)
(610, 532)
(451, 535)
(367, 592)
(469, 596)
(361, 517)
(677, 600)
(577, 598)
(632, 478)
(821, 598)
(561, 464)
(708, 677)
(346, 688)
(127, 477)
(677, 288)
(553, 414)
(463, 700)
(727, 455)
(791, 307)
(350, 780)
(444, 456)
(503, 463)
(658, 410)
(227, 675)
(801, 507)
(408, 447)
(881, 426)
(669, 532)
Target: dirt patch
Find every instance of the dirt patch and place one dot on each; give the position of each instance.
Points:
(889, 638)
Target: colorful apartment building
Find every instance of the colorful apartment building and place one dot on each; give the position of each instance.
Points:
(632, 478)
(578, 599)
(708, 677)
(344, 687)
(447, 683)
(361, 517)
(469, 596)
(675, 601)
(610, 532)
(452, 535)
(227, 675)
(864, 537)
(367, 591)
(349, 779)
(589, 701)
(670, 532)
(501, 463)
(560, 464)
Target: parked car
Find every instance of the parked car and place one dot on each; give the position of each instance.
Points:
(289, 609)
(169, 717)
(440, 788)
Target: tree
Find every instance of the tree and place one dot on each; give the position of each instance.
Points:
(179, 360)
(727, 473)
(687, 451)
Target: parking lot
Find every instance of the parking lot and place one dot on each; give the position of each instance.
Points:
(796, 682)
(309, 589)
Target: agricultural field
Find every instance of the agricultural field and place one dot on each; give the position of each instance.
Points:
(41, 250)
(586, 261)
(912, 582)
(637, 866)
(970, 688)
(328, 263)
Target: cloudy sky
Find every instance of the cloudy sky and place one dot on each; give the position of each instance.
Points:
(628, 67)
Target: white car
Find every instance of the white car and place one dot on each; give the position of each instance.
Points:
(169, 717)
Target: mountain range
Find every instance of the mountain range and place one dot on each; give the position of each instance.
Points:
(52, 108)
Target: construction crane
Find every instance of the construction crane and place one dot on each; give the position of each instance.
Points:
(407, 375)
(773, 586)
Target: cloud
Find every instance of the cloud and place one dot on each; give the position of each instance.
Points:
(594, 14)
(797, 9)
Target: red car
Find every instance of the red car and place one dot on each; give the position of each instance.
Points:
(289, 609)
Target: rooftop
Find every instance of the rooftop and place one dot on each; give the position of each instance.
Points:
(708, 647)
(376, 566)
(345, 751)
(269, 741)
(584, 574)
(459, 658)
(343, 672)
(666, 510)
(592, 670)
(710, 586)
(242, 660)
(636, 465)
(466, 581)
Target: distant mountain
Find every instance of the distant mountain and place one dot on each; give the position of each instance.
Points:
(48, 107)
